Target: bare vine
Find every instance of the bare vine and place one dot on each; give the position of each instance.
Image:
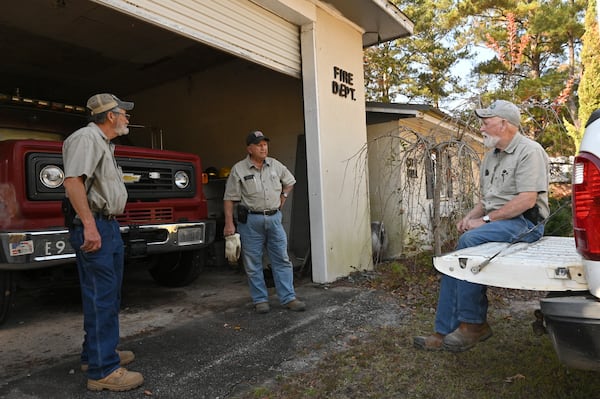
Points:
(422, 182)
(420, 187)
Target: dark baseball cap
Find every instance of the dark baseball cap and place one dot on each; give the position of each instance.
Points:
(256, 137)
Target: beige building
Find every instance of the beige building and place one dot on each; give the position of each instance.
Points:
(204, 73)
(423, 171)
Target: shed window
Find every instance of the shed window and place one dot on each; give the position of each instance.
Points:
(439, 165)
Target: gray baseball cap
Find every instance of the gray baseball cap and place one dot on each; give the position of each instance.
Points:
(502, 109)
(99, 103)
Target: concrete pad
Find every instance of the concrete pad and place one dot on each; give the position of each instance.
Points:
(204, 341)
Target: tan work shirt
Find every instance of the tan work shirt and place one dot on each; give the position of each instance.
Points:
(258, 189)
(523, 166)
(88, 152)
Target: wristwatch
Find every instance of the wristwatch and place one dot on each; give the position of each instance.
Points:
(486, 219)
(285, 195)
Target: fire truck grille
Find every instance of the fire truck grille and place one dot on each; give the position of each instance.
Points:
(140, 216)
(147, 180)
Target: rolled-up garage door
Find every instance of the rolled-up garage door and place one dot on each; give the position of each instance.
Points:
(238, 27)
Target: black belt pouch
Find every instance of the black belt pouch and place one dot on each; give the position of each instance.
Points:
(242, 213)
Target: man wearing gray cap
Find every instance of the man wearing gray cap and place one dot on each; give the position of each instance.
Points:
(514, 179)
(260, 185)
(95, 188)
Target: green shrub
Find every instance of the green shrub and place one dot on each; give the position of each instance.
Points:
(561, 222)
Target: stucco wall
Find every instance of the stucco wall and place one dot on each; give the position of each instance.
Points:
(211, 112)
(336, 131)
(384, 179)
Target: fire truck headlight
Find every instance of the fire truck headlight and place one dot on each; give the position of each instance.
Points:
(52, 176)
(182, 179)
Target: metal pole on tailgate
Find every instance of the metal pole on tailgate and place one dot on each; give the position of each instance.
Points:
(479, 267)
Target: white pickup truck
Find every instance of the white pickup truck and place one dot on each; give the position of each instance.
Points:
(568, 268)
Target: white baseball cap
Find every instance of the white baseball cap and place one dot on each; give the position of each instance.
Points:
(502, 109)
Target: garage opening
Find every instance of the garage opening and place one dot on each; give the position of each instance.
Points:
(201, 94)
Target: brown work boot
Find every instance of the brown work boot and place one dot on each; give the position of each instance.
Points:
(119, 380)
(296, 305)
(262, 307)
(125, 357)
(432, 342)
(466, 336)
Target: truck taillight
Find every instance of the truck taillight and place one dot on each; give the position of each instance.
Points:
(586, 205)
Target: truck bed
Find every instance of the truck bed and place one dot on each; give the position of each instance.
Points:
(550, 264)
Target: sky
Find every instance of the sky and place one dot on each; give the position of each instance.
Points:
(463, 70)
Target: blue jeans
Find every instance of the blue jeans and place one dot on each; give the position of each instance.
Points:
(463, 302)
(260, 231)
(100, 277)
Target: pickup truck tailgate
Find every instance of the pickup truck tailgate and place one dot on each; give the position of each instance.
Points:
(550, 264)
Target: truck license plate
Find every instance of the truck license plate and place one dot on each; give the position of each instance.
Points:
(53, 245)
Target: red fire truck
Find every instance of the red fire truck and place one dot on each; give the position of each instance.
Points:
(165, 224)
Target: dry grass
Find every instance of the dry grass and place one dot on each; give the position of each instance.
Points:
(514, 363)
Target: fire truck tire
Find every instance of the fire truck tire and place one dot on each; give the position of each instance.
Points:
(8, 284)
(178, 269)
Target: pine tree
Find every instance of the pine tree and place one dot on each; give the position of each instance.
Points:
(535, 42)
(589, 87)
(383, 74)
(418, 67)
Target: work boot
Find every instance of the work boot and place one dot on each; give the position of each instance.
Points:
(296, 305)
(119, 380)
(126, 357)
(466, 336)
(432, 342)
(262, 307)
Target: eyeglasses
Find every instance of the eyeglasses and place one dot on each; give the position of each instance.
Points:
(128, 116)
